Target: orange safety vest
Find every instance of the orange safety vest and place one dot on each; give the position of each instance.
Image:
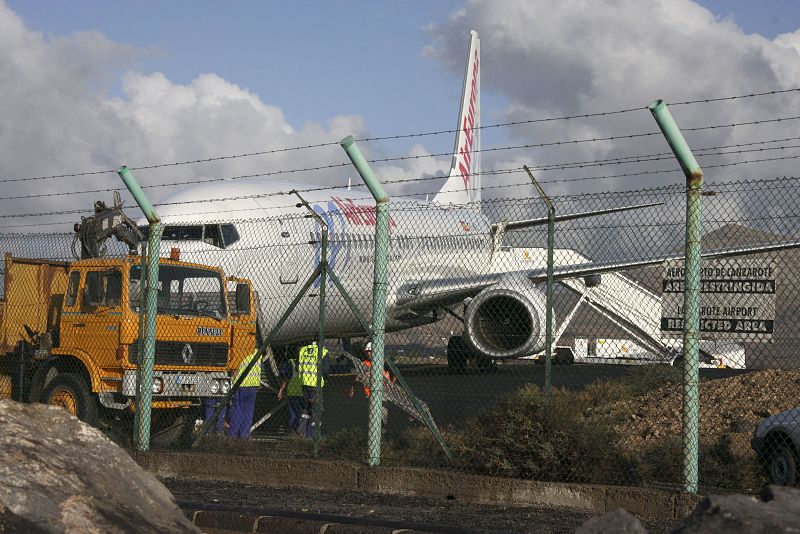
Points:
(386, 375)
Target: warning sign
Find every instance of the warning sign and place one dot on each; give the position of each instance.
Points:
(737, 299)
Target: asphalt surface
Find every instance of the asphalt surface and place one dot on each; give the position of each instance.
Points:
(416, 510)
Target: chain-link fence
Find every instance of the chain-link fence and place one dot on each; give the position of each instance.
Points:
(465, 323)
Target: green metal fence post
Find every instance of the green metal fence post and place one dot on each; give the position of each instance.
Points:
(551, 243)
(140, 332)
(144, 390)
(379, 291)
(691, 303)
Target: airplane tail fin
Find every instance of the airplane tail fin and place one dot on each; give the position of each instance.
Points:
(464, 183)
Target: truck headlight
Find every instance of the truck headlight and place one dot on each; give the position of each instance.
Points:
(225, 386)
(158, 386)
(215, 387)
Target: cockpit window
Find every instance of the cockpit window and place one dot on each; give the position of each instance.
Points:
(229, 235)
(182, 233)
(211, 235)
(220, 236)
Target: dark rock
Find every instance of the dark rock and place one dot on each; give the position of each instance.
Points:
(776, 510)
(614, 522)
(11, 522)
(61, 475)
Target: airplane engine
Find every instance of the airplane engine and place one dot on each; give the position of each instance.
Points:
(507, 320)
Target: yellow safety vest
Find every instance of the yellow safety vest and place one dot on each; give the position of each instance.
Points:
(295, 386)
(253, 378)
(308, 365)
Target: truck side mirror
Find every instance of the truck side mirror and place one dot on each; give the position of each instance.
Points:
(242, 299)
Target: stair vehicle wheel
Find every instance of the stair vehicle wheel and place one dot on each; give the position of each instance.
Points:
(71, 392)
(563, 356)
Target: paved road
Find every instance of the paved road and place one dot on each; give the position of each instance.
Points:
(452, 397)
(451, 513)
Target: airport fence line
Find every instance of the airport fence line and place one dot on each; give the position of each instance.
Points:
(71, 335)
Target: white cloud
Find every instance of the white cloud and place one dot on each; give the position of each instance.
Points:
(544, 57)
(59, 116)
(570, 57)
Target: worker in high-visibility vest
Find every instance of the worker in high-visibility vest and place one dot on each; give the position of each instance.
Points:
(244, 399)
(292, 387)
(388, 377)
(310, 364)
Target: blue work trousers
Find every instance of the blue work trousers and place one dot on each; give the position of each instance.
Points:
(241, 412)
(210, 406)
(297, 406)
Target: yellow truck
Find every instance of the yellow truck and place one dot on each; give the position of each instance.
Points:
(69, 336)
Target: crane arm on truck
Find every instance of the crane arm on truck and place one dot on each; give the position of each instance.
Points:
(93, 231)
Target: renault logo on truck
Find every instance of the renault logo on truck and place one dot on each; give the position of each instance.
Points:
(187, 354)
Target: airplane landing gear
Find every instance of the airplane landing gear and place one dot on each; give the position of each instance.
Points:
(459, 353)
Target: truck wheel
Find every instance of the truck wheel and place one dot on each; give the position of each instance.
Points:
(70, 391)
(457, 354)
(6, 389)
(783, 466)
(172, 428)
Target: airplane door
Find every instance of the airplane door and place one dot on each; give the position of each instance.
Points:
(294, 248)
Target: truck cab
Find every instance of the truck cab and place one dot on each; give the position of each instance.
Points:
(71, 333)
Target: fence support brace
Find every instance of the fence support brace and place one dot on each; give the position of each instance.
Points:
(691, 296)
(551, 243)
(144, 372)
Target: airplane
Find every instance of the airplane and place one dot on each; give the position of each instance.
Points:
(444, 253)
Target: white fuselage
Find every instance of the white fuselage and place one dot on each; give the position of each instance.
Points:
(279, 247)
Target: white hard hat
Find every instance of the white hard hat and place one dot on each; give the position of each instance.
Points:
(368, 346)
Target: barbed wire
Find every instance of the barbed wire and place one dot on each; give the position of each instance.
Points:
(563, 166)
(405, 136)
(553, 166)
(262, 195)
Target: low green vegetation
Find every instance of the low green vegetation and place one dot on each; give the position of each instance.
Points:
(587, 436)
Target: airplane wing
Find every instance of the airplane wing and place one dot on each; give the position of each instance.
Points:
(527, 223)
(448, 291)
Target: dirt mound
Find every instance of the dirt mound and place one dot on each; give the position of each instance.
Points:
(727, 406)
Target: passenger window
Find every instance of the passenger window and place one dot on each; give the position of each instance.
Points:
(72, 290)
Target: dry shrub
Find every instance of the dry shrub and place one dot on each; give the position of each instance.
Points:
(346, 444)
(417, 447)
(598, 394)
(526, 436)
(642, 379)
(720, 464)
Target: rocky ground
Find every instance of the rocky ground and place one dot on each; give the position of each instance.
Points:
(649, 427)
(732, 405)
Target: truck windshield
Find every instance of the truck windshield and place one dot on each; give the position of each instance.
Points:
(182, 291)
